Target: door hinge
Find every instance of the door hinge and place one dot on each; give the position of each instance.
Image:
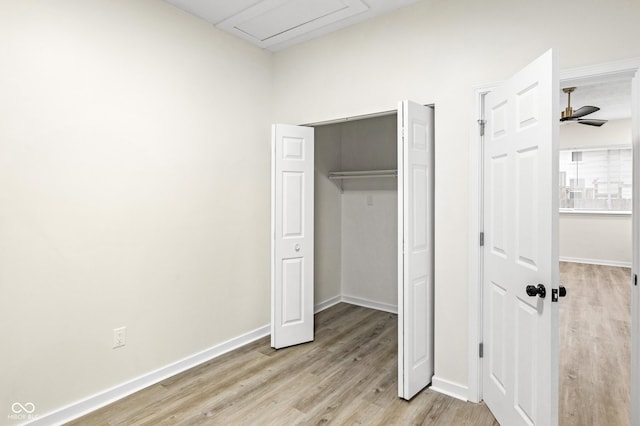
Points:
(635, 279)
(482, 239)
(481, 123)
(481, 350)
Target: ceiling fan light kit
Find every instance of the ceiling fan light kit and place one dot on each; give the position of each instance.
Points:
(570, 115)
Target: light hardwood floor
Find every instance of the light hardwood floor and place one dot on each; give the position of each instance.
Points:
(595, 338)
(348, 375)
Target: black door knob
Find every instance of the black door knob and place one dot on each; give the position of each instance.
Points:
(534, 291)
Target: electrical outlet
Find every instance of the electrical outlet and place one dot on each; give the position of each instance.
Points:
(119, 337)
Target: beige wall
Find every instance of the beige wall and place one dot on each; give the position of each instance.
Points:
(370, 247)
(595, 238)
(614, 133)
(327, 215)
(437, 52)
(602, 239)
(134, 188)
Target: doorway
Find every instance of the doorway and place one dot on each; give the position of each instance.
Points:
(356, 213)
(622, 68)
(595, 250)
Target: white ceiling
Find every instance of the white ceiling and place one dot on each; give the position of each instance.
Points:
(612, 96)
(277, 24)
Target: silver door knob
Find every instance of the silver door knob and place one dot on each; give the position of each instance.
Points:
(297, 247)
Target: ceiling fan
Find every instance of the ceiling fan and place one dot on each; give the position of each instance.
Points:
(570, 115)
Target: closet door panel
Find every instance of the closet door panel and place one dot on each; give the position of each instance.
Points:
(415, 244)
(292, 235)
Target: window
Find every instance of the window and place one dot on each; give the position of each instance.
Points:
(595, 180)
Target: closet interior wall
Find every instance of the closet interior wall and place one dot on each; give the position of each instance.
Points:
(356, 219)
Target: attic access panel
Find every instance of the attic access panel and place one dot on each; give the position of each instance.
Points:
(270, 22)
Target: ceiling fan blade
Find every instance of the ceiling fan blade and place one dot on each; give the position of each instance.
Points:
(592, 122)
(585, 110)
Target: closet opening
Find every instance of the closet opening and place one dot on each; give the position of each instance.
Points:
(356, 213)
(352, 221)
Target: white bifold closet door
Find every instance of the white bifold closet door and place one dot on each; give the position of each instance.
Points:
(415, 248)
(292, 167)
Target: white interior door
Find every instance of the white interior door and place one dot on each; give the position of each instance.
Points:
(520, 332)
(415, 248)
(292, 168)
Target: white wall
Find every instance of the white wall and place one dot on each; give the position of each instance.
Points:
(437, 52)
(595, 238)
(134, 188)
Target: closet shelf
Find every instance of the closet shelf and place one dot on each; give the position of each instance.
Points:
(360, 174)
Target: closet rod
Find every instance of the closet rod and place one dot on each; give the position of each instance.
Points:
(363, 174)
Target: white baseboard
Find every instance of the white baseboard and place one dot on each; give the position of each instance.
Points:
(449, 388)
(106, 397)
(327, 304)
(596, 261)
(370, 304)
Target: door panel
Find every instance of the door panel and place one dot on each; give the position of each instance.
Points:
(292, 235)
(415, 248)
(292, 208)
(520, 377)
(292, 290)
(498, 346)
(526, 224)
